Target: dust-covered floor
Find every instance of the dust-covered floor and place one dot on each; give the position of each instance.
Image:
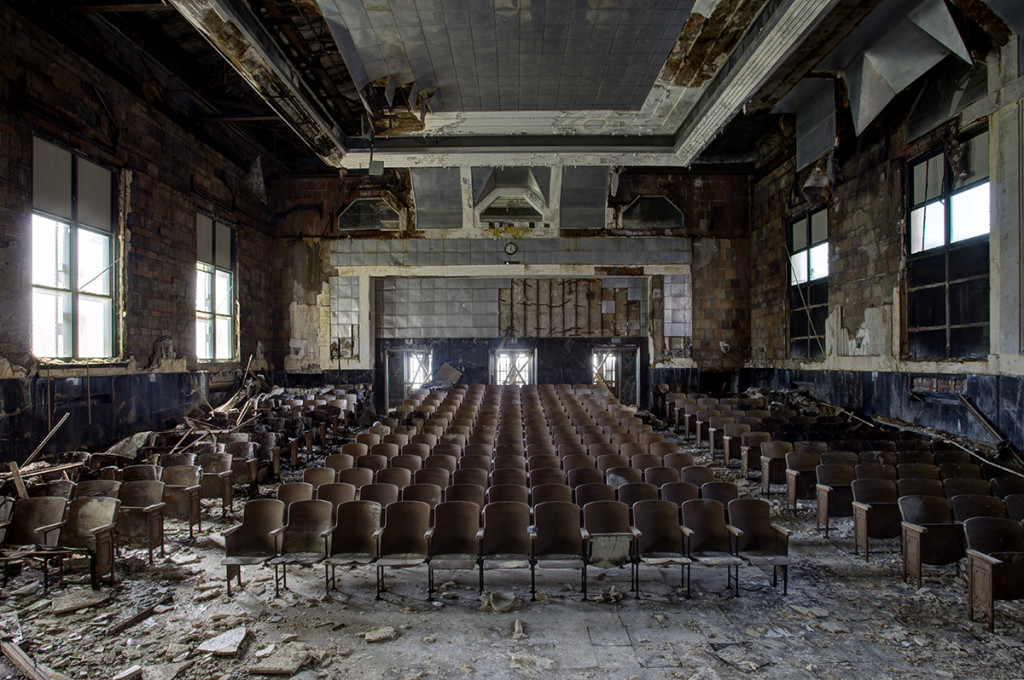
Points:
(842, 619)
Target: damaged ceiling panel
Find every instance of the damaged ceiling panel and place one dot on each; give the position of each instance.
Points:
(511, 56)
(438, 195)
(531, 83)
(584, 198)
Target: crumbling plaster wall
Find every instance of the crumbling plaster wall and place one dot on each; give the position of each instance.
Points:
(865, 197)
(164, 175)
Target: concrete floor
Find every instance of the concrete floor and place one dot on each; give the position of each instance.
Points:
(842, 619)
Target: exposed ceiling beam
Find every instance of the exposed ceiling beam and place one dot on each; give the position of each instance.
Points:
(778, 30)
(232, 29)
(121, 7)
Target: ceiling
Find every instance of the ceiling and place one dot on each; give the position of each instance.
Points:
(317, 84)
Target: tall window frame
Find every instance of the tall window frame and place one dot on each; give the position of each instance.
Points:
(74, 286)
(948, 228)
(417, 369)
(216, 325)
(808, 284)
(605, 367)
(514, 367)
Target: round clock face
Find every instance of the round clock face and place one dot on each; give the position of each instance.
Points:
(511, 248)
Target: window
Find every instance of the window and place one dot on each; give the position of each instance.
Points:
(72, 256)
(948, 266)
(808, 285)
(513, 367)
(215, 291)
(606, 369)
(415, 369)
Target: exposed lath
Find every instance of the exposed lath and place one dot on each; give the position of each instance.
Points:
(235, 33)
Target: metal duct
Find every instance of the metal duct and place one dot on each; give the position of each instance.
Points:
(584, 198)
(904, 54)
(813, 102)
(438, 194)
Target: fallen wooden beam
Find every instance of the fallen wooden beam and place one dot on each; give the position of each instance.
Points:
(47, 438)
(23, 662)
(35, 472)
(138, 617)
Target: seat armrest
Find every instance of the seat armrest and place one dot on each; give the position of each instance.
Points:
(278, 530)
(983, 557)
(824, 487)
(100, 529)
(585, 534)
(191, 489)
(378, 533)
(866, 507)
(735, 531)
(327, 532)
(429, 534)
(153, 508)
(47, 528)
(233, 530)
(687, 531)
(792, 473)
(914, 528)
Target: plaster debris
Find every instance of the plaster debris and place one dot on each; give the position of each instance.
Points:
(518, 633)
(225, 644)
(499, 602)
(380, 634)
(130, 673)
(78, 600)
(285, 661)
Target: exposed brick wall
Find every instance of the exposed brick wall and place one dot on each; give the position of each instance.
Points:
(866, 228)
(168, 175)
(712, 204)
(721, 301)
(769, 264)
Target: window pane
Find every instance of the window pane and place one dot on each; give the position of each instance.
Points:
(223, 293)
(928, 179)
(819, 261)
(51, 323)
(970, 213)
(798, 268)
(95, 325)
(93, 262)
(819, 226)
(225, 337)
(799, 230)
(974, 161)
(51, 253)
(928, 227)
(204, 337)
(204, 289)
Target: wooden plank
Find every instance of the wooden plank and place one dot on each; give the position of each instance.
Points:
(35, 472)
(530, 308)
(23, 662)
(633, 321)
(543, 308)
(595, 297)
(557, 308)
(582, 287)
(505, 310)
(39, 448)
(19, 483)
(138, 617)
(621, 315)
(518, 297)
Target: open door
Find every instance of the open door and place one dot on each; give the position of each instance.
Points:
(407, 370)
(617, 367)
